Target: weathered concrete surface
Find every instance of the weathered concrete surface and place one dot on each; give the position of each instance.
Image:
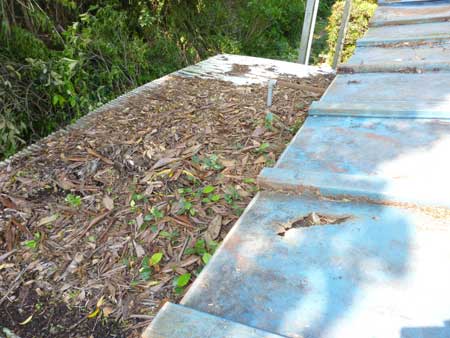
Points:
(372, 275)
(416, 12)
(417, 33)
(177, 321)
(387, 95)
(259, 70)
(429, 57)
(397, 160)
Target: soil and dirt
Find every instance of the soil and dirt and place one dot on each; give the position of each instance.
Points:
(101, 226)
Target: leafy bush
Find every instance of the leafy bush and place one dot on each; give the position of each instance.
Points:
(362, 11)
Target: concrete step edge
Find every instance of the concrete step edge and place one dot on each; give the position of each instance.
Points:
(398, 109)
(178, 321)
(339, 186)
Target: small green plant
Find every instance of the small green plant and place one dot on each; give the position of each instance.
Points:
(33, 243)
(184, 191)
(73, 200)
(263, 148)
(210, 197)
(187, 208)
(206, 257)
(135, 198)
(181, 281)
(232, 195)
(147, 264)
(154, 215)
(203, 249)
(208, 189)
(212, 163)
(169, 235)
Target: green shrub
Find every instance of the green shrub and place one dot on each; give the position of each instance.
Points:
(362, 11)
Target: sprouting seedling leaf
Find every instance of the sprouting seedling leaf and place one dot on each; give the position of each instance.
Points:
(154, 214)
(156, 258)
(145, 272)
(208, 189)
(215, 198)
(183, 280)
(32, 244)
(263, 147)
(206, 257)
(73, 200)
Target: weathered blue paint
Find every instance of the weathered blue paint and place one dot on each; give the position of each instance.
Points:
(412, 13)
(377, 158)
(414, 33)
(424, 58)
(177, 321)
(387, 95)
(397, 160)
(373, 275)
(405, 2)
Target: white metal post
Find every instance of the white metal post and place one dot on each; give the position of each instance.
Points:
(309, 23)
(342, 32)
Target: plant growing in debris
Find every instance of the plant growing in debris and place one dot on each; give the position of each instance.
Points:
(232, 195)
(203, 249)
(33, 243)
(73, 200)
(187, 208)
(172, 236)
(180, 282)
(147, 265)
(263, 148)
(135, 198)
(154, 215)
(212, 163)
(210, 197)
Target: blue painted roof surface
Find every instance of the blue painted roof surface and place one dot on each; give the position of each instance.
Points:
(435, 31)
(411, 13)
(428, 57)
(387, 95)
(177, 321)
(405, 2)
(373, 275)
(402, 160)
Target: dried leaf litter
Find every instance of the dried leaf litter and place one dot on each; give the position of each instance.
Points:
(170, 173)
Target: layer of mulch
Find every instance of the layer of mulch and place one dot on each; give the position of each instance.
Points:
(100, 227)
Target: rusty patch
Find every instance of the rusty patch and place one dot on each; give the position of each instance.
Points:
(377, 68)
(237, 70)
(314, 192)
(312, 219)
